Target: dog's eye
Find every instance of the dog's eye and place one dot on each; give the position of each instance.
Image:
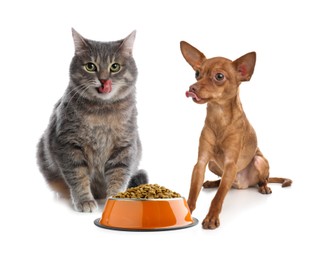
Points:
(219, 76)
(196, 74)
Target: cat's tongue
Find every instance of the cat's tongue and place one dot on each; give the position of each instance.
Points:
(106, 86)
(192, 95)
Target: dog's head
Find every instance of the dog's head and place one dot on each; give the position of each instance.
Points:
(217, 78)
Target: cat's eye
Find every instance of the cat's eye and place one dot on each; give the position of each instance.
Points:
(90, 67)
(219, 77)
(196, 74)
(115, 67)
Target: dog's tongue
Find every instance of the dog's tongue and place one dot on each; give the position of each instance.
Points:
(106, 86)
(192, 95)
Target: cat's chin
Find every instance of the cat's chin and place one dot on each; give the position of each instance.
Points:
(104, 96)
(100, 93)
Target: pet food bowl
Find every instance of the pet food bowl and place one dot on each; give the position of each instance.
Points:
(146, 214)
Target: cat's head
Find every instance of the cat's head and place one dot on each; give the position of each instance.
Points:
(103, 70)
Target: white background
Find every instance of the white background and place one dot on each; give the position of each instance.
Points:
(35, 51)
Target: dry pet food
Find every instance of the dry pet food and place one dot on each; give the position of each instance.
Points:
(148, 191)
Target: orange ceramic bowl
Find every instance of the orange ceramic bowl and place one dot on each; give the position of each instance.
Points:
(146, 214)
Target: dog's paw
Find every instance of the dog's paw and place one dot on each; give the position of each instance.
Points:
(211, 184)
(86, 206)
(211, 222)
(191, 205)
(264, 189)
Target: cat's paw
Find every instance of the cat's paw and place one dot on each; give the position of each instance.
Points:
(86, 206)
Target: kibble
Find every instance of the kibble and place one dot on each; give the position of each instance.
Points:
(148, 191)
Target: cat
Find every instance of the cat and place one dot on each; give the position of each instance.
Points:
(91, 148)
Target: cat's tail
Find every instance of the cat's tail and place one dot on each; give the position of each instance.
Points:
(140, 177)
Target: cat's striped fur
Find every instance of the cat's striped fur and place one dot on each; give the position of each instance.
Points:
(91, 147)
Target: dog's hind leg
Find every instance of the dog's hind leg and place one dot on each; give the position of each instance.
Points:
(260, 168)
(262, 165)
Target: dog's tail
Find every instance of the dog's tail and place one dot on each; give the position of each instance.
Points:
(284, 181)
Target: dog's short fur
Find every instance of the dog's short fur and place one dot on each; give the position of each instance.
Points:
(228, 142)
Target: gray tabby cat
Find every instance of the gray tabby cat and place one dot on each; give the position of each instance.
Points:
(91, 147)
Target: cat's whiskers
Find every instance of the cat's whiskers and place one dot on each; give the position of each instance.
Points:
(75, 91)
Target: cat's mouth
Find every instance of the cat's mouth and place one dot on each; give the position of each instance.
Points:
(106, 86)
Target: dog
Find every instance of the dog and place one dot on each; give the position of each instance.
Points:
(228, 142)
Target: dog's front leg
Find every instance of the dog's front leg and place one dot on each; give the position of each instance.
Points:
(198, 174)
(212, 221)
(197, 180)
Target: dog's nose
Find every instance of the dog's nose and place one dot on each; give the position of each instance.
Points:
(192, 88)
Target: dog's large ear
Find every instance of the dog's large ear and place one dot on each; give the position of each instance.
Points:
(245, 66)
(193, 56)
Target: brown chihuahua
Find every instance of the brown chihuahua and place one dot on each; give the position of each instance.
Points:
(228, 142)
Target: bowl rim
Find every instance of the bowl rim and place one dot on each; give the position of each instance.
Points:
(143, 199)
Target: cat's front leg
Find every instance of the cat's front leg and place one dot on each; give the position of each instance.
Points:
(122, 162)
(75, 170)
(116, 179)
(79, 184)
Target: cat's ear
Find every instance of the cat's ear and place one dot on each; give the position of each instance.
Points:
(80, 43)
(127, 44)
